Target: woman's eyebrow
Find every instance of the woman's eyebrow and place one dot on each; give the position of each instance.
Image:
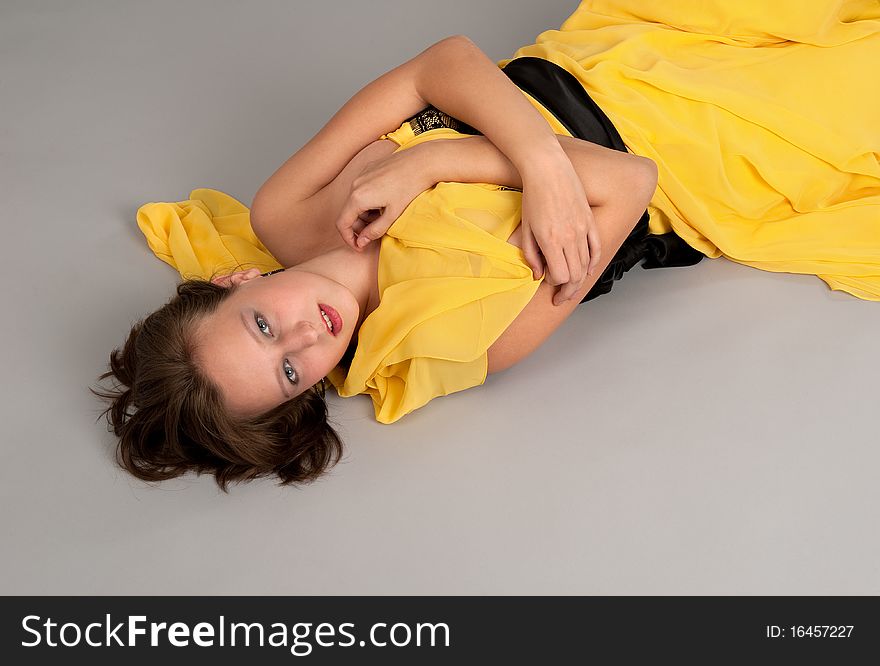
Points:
(256, 337)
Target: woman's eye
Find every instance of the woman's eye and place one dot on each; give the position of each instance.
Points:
(291, 374)
(260, 323)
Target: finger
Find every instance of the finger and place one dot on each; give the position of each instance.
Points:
(531, 252)
(576, 276)
(377, 228)
(578, 269)
(559, 296)
(345, 223)
(359, 225)
(365, 219)
(584, 252)
(557, 264)
(595, 248)
(371, 215)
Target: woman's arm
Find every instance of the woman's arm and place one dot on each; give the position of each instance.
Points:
(454, 76)
(627, 191)
(606, 174)
(557, 225)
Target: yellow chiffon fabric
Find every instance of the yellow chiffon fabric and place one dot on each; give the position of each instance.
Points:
(208, 234)
(763, 119)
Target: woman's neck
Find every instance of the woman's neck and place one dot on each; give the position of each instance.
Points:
(357, 271)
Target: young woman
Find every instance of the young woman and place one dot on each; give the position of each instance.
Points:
(415, 262)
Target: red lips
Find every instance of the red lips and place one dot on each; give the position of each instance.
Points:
(335, 319)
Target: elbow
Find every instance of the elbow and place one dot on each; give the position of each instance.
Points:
(456, 42)
(264, 218)
(256, 217)
(647, 178)
(461, 39)
(265, 211)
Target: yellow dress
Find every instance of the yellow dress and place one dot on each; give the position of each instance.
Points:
(763, 119)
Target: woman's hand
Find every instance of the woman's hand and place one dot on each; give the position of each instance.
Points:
(557, 223)
(379, 194)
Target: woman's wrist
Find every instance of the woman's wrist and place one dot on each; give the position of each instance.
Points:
(543, 162)
(428, 163)
(475, 159)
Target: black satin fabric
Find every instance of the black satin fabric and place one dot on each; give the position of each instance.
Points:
(563, 96)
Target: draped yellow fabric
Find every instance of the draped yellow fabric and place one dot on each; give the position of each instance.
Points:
(208, 234)
(763, 118)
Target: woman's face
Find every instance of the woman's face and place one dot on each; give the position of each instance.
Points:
(268, 342)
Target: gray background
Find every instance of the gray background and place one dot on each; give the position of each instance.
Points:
(701, 430)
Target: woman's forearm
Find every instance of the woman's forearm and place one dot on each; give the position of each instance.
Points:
(605, 174)
(463, 82)
(467, 160)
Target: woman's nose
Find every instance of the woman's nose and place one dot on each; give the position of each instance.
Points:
(303, 335)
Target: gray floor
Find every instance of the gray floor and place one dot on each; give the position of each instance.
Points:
(704, 430)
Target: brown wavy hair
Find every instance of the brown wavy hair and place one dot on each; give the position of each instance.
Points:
(170, 418)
